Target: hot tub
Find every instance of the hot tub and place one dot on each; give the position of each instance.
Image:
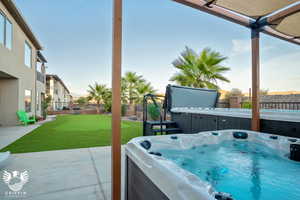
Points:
(197, 119)
(229, 164)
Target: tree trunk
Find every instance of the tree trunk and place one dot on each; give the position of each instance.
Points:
(98, 108)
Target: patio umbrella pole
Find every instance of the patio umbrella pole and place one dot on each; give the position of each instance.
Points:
(116, 100)
(255, 80)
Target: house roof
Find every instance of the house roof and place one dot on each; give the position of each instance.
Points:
(16, 13)
(41, 57)
(48, 76)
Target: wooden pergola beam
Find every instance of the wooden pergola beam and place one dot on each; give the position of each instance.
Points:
(211, 9)
(269, 31)
(255, 125)
(239, 19)
(283, 13)
(256, 27)
(116, 100)
(217, 11)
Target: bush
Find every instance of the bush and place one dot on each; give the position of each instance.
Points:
(235, 92)
(82, 101)
(65, 108)
(38, 118)
(123, 109)
(153, 111)
(45, 105)
(44, 110)
(107, 107)
(247, 105)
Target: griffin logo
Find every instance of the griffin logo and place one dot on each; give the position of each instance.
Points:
(15, 180)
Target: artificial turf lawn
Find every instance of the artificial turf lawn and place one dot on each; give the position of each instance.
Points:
(73, 131)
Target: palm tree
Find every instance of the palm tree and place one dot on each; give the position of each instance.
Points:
(132, 81)
(107, 100)
(143, 89)
(98, 93)
(124, 90)
(200, 71)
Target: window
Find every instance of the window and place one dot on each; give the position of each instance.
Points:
(39, 66)
(37, 101)
(27, 55)
(2, 28)
(6, 32)
(27, 100)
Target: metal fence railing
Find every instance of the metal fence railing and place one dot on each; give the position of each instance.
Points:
(266, 105)
(40, 77)
(60, 105)
(280, 105)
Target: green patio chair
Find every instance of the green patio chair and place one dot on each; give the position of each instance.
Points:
(24, 118)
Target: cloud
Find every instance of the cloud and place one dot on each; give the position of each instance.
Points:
(281, 72)
(239, 78)
(243, 46)
(240, 46)
(278, 73)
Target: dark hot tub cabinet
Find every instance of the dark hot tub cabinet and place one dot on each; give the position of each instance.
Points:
(193, 110)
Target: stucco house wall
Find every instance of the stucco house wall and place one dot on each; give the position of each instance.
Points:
(20, 77)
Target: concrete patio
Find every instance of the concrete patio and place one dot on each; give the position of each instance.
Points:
(10, 134)
(77, 174)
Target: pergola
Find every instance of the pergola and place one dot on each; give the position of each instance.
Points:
(277, 18)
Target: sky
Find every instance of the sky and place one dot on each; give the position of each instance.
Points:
(77, 36)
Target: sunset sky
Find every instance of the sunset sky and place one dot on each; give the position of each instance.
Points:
(76, 35)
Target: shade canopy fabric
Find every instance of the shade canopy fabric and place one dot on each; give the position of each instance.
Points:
(253, 8)
(278, 18)
(290, 25)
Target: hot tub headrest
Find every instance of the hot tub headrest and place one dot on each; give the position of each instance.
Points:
(240, 135)
(295, 152)
(146, 144)
(223, 196)
(155, 153)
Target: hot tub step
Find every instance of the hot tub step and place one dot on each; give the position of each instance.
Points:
(154, 123)
(167, 130)
(155, 127)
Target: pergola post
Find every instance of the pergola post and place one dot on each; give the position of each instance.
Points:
(255, 125)
(116, 100)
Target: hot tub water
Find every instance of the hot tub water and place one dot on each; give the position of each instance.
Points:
(247, 170)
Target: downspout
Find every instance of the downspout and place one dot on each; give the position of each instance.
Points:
(35, 87)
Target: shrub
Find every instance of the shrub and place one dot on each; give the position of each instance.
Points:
(45, 105)
(107, 106)
(38, 118)
(153, 111)
(235, 92)
(82, 101)
(123, 109)
(247, 105)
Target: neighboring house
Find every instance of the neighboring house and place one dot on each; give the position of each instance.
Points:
(60, 94)
(22, 86)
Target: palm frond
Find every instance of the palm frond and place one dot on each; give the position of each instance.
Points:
(203, 70)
